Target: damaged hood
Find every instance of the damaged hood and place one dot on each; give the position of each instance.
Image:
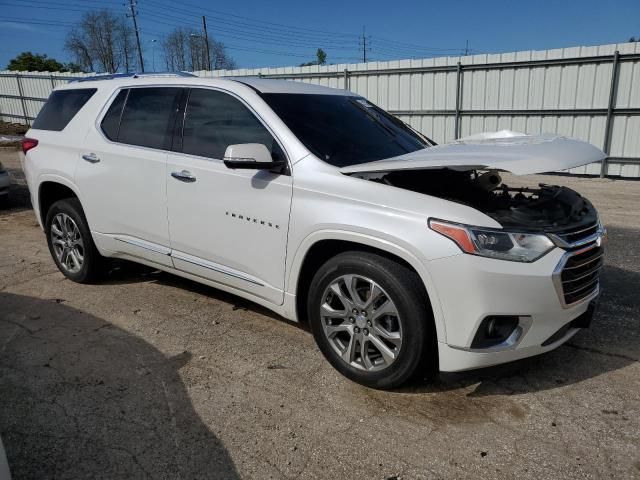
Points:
(508, 151)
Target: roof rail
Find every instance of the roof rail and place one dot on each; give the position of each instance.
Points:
(112, 76)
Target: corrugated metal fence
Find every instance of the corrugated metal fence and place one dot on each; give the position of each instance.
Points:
(591, 93)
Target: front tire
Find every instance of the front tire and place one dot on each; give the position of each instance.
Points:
(371, 320)
(70, 242)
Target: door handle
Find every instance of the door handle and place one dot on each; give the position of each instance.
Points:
(184, 176)
(91, 157)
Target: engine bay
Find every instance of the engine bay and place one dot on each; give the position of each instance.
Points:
(547, 208)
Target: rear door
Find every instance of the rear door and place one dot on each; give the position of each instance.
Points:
(122, 176)
(228, 226)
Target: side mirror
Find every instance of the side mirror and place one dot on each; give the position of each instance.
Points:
(255, 156)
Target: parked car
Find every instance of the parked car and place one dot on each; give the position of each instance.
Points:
(403, 255)
(5, 474)
(5, 182)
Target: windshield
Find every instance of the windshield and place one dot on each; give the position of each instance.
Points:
(345, 130)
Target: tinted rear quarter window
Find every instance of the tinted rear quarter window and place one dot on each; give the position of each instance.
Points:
(111, 122)
(61, 107)
(148, 116)
(215, 120)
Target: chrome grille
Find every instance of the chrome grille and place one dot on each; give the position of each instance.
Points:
(579, 277)
(577, 235)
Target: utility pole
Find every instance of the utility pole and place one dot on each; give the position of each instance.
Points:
(153, 53)
(363, 44)
(466, 49)
(206, 41)
(132, 5)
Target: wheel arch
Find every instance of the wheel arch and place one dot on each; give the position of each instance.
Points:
(50, 190)
(319, 247)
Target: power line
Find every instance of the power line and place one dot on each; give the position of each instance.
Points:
(30, 21)
(240, 35)
(45, 7)
(97, 3)
(311, 35)
(232, 27)
(413, 46)
(290, 28)
(277, 35)
(245, 29)
(245, 48)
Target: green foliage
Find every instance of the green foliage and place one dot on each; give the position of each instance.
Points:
(33, 62)
(72, 67)
(321, 59)
(322, 56)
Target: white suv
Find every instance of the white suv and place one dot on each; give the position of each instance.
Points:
(403, 256)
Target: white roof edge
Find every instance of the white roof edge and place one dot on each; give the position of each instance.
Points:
(263, 85)
(272, 85)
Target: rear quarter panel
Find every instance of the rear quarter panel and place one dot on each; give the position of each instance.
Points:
(58, 152)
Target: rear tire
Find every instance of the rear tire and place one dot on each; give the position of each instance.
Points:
(371, 319)
(70, 242)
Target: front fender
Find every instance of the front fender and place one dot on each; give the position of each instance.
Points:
(393, 246)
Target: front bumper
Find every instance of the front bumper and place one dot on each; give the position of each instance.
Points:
(471, 288)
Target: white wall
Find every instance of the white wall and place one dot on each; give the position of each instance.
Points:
(554, 87)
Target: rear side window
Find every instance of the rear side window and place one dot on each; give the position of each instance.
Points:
(111, 122)
(148, 116)
(215, 120)
(61, 107)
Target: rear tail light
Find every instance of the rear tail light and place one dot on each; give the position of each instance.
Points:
(28, 144)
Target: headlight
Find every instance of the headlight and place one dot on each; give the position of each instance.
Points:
(516, 247)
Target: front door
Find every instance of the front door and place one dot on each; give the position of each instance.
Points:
(228, 226)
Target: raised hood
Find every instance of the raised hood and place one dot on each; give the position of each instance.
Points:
(508, 151)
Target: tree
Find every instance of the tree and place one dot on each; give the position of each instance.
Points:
(33, 62)
(102, 41)
(185, 49)
(72, 67)
(322, 56)
(321, 59)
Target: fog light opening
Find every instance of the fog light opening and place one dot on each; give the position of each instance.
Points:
(495, 330)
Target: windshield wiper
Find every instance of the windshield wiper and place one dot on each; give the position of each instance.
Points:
(375, 117)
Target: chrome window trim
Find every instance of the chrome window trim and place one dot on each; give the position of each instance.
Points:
(243, 102)
(105, 108)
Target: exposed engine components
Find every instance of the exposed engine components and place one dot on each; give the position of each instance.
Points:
(489, 181)
(547, 208)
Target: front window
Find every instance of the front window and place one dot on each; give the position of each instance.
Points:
(214, 120)
(345, 130)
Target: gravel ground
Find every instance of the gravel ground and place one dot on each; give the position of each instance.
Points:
(148, 375)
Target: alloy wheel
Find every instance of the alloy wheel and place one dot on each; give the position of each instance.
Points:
(361, 322)
(67, 242)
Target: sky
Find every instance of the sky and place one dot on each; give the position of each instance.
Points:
(261, 33)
